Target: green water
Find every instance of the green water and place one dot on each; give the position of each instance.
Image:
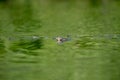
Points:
(92, 53)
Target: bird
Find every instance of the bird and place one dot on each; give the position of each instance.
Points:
(61, 39)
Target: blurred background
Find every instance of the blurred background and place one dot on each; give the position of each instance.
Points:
(28, 50)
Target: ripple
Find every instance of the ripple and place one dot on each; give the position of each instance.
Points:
(27, 46)
(93, 43)
(23, 61)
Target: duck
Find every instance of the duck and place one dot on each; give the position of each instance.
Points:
(61, 39)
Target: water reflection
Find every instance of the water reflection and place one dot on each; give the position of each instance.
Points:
(4, 1)
(2, 48)
(93, 42)
(23, 58)
(27, 45)
(22, 16)
(95, 2)
(84, 42)
(29, 55)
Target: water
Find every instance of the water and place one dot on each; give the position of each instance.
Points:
(28, 50)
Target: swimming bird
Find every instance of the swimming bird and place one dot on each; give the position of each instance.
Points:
(61, 39)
